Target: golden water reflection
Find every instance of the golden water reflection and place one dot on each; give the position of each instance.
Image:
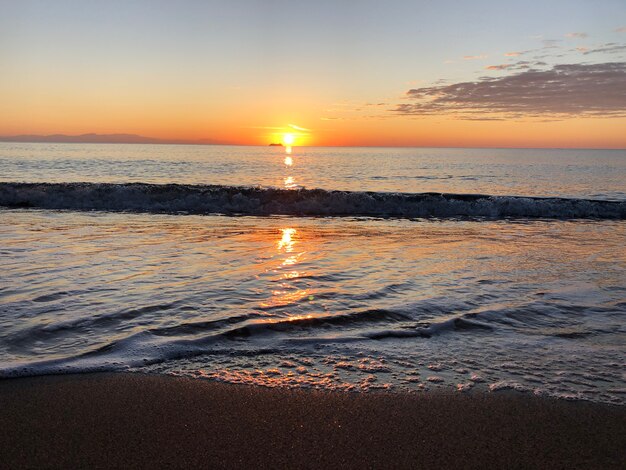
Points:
(291, 260)
(287, 242)
(287, 293)
(282, 298)
(290, 183)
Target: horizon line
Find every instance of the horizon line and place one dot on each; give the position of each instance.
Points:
(199, 142)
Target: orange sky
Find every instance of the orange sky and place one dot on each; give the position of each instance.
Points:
(242, 73)
(257, 127)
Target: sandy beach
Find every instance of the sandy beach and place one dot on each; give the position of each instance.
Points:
(148, 421)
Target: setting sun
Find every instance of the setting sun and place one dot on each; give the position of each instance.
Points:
(289, 139)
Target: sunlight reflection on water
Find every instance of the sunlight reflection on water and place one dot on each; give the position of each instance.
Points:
(371, 302)
(529, 172)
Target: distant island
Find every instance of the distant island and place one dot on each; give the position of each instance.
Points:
(276, 145)
(103, 139)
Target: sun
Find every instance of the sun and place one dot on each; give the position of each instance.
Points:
(289, 139)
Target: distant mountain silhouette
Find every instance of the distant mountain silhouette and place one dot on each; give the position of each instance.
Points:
(102, 139)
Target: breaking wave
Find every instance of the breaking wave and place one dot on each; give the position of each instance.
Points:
(236, 200)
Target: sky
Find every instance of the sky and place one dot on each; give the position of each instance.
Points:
(362, 73)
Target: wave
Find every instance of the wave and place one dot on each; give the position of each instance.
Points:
(187, 340)
(236, 200)
(251, 334)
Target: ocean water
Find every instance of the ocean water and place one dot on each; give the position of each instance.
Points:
(325, 267)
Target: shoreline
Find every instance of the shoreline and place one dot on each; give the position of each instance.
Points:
(114, 420)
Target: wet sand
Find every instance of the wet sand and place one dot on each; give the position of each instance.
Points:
(144, 421)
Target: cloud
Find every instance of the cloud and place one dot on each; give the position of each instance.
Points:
(608, 48)
(576, 35)
(298, 128)
(621, 29)
(278, 128)
(520, 65)
(499, 67)
(513, 54)
(565, 90)
(550, 43)
(474, 57)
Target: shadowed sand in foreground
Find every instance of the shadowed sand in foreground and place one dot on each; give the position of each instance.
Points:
(134, 420)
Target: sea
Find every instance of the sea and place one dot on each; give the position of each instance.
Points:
(354, 269)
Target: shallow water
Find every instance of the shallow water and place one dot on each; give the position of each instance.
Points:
(349, 303)
(490, 292)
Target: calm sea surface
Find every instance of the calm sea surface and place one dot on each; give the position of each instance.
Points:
(350, 302)
(525, 172)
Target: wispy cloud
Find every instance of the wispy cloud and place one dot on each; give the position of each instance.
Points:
(298, 128)
(279, 128)
(577, 35)
(474, 57)
(621, 29)
(608, 48)
(545, 44)
(499, 67)
(520, 65)
(563, 91)
(550, 43)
